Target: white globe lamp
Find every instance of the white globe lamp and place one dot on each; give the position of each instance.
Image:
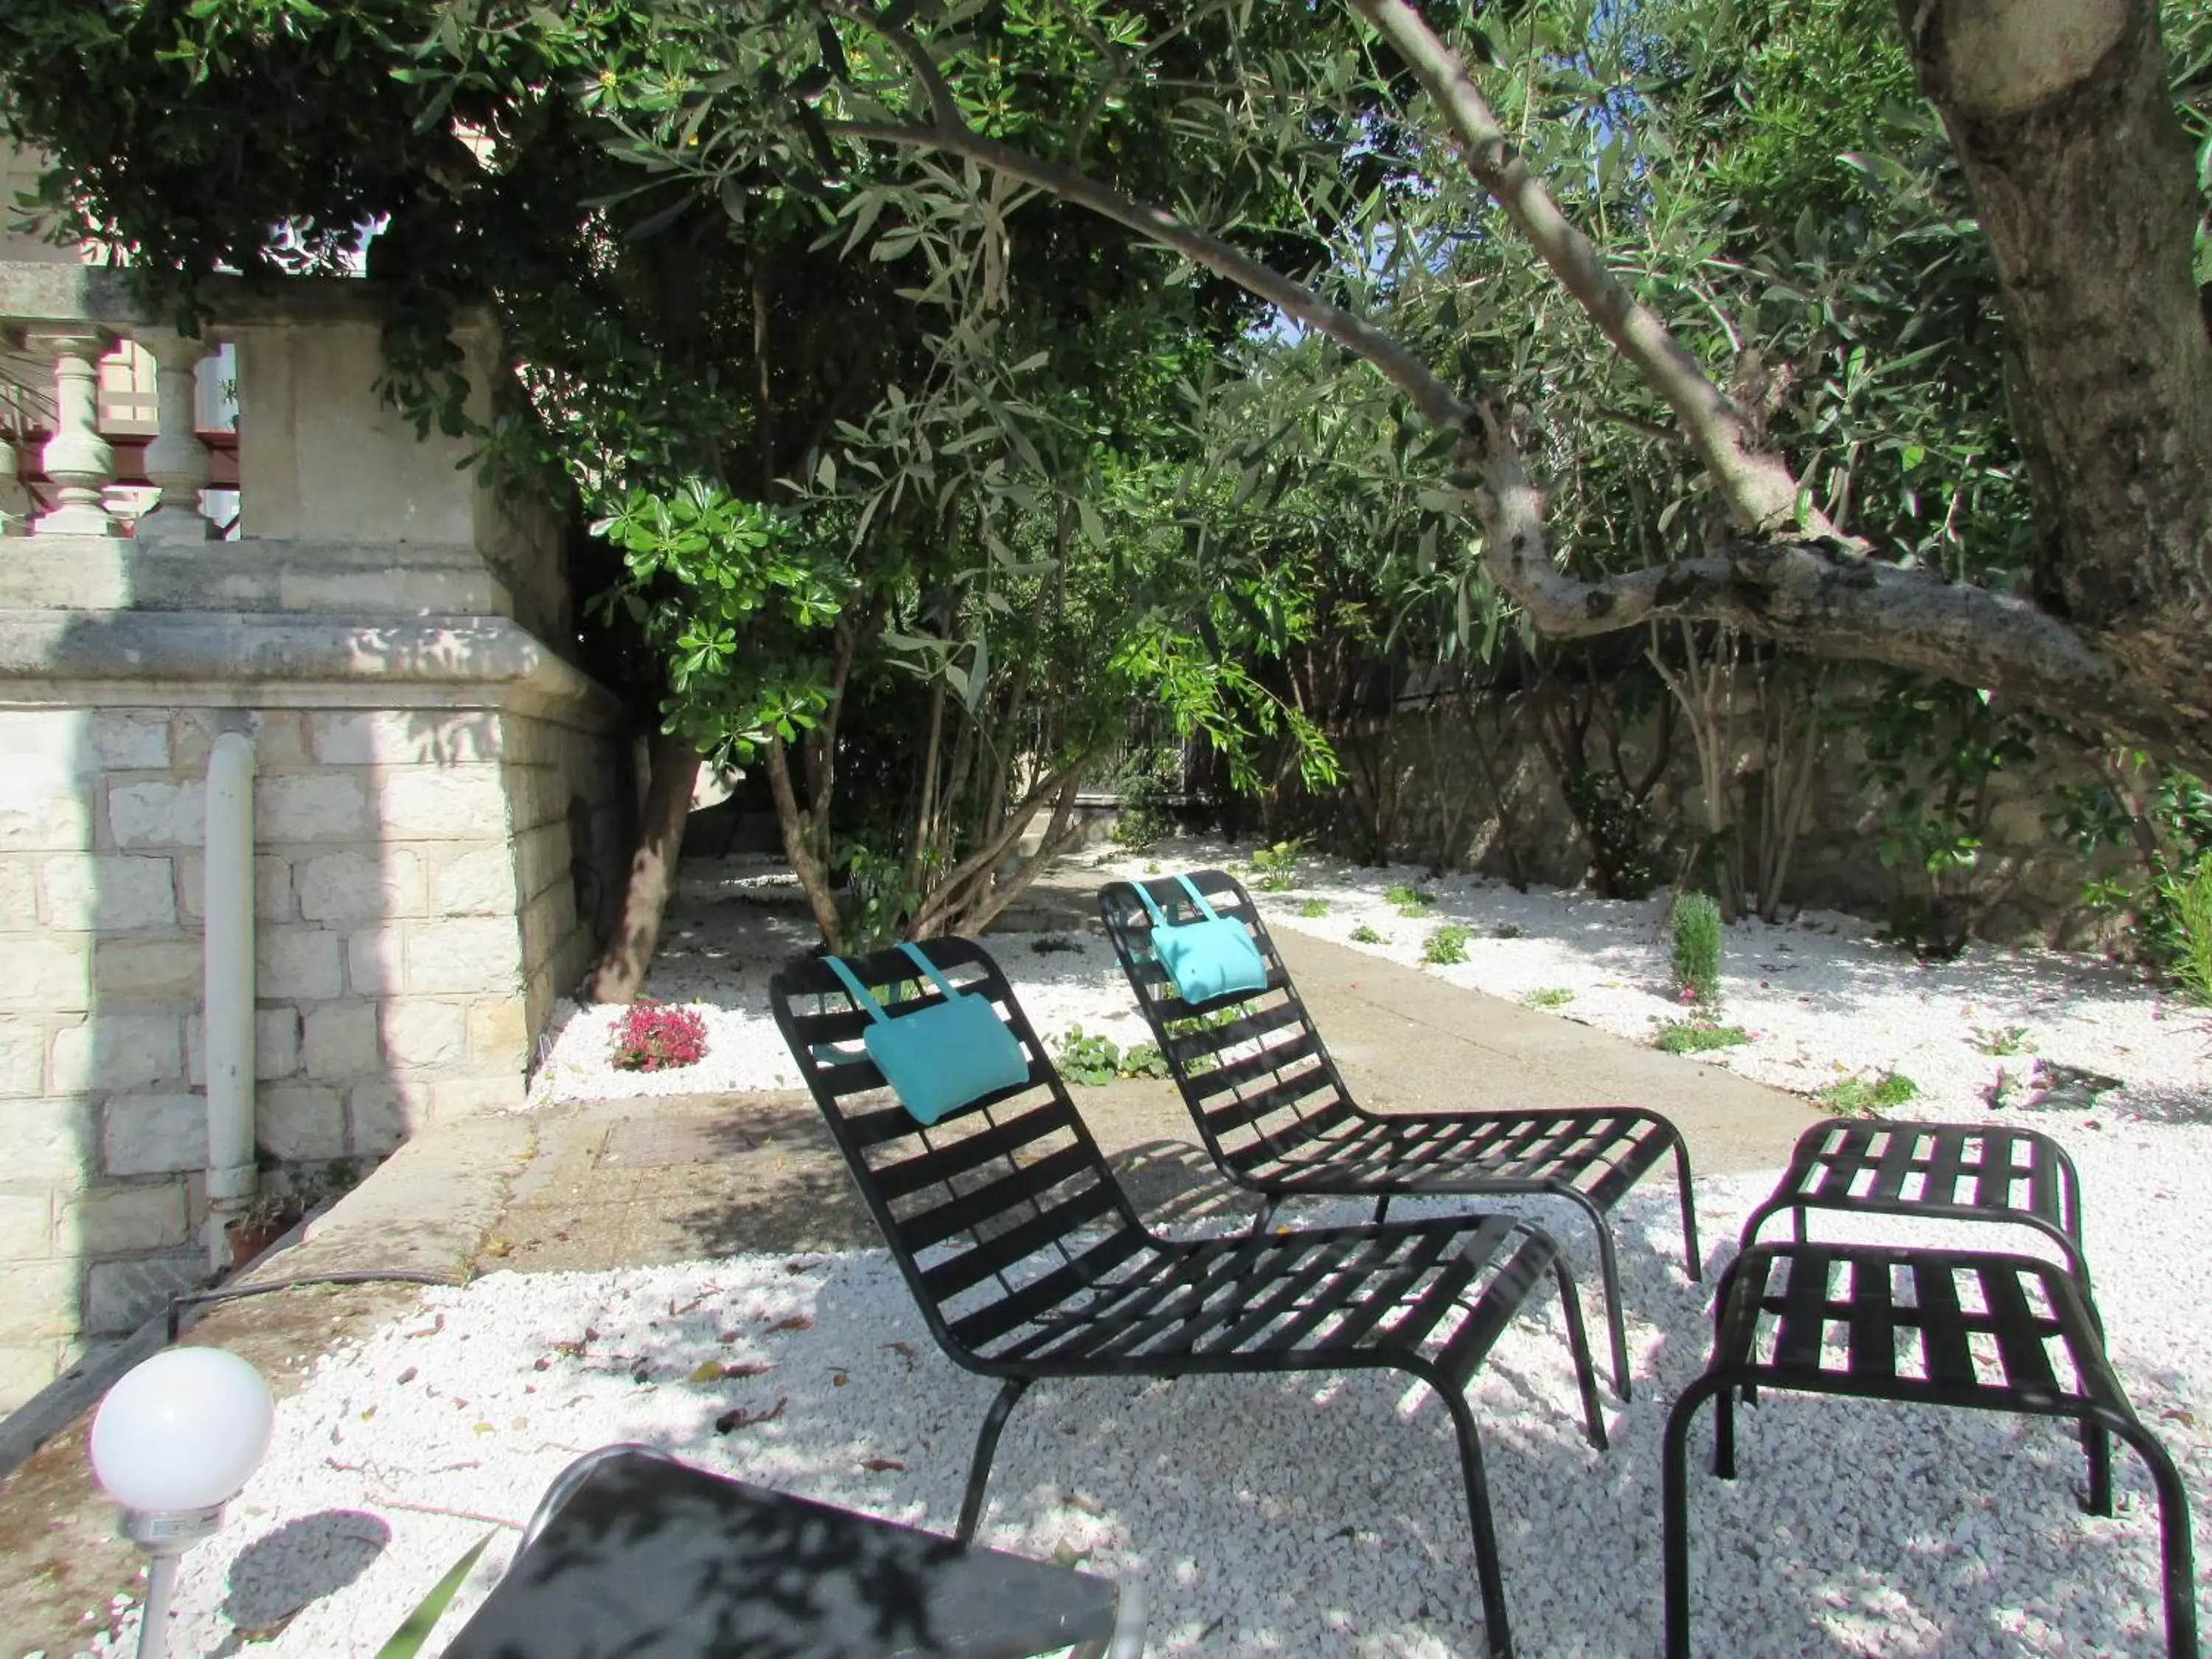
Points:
(173, 1442)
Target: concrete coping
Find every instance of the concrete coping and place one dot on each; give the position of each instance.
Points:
(42, 293)
(156, 658)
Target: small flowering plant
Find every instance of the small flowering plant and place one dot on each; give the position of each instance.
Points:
(654, 1036)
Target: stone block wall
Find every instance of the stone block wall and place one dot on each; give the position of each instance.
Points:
(417, 872)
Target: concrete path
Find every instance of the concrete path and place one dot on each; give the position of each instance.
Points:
(630, 1182)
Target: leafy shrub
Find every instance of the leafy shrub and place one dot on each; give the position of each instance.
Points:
(2167, 811)
(1410, 901)
(1697, 947)
(658, 1036)
(1364, 934)
(1276, 867)
(1859, 1096)
(1091, 1060)
(1314, 907)
(1551, 996)
(1688, 1036)
(1624, 846)
(2194, 912)
(1142, 815)
(1447, 945)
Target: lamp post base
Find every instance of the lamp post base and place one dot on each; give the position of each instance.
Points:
(164, 1535)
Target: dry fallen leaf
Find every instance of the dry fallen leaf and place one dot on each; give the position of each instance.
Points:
(878, 1465)
(904, 1351)
(796, 1323)
(498, 1247)
(407, 1376)
(739, 1418)
(706, 1370)
(838, 1379)
(436, 1325)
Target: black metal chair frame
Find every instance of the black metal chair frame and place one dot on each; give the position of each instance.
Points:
(1790, 1284)
(1278, 1119)
(1967, 1172)
(1028, 1261)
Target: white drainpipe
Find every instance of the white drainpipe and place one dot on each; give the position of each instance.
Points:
(228, 1010)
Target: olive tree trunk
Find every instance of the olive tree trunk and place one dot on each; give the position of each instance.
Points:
(619, 974)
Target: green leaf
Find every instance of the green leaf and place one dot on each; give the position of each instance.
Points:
(415, 1630)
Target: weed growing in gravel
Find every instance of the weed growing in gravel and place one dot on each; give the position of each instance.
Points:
(1410, 901)
(1549, 996)
(2194, 911)
(1364, 934)
(1313, 907)
(2003, 1039)
(1697, 947)
(1447, 945)
(1152, 867)
(1696, 1036)
(1276, 867)
(1046, 944)
(1506, 930)
(657, 1037)
(1859, 1096)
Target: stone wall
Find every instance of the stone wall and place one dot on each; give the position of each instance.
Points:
(1460, 781)
(442, 798)
(415, 901)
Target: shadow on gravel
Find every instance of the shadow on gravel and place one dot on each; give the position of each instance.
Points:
(300, 1562)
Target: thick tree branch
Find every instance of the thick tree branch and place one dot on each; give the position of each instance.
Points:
(1807, 593)
(1758, 485)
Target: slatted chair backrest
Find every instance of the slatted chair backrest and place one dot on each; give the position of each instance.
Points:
(1253, 1069)
(999, 1213)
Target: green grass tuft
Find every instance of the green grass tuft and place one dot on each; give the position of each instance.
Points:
(1697, 947)
(1551, 996)
(1447, 945)
(1313, 907)
(1859, 1096)
(1685, 1036)
(1364, 934)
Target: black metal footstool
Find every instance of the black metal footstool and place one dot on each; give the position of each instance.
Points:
(1946, 1171)
(1777, 1303)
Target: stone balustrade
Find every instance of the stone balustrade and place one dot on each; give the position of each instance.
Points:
(442, 797)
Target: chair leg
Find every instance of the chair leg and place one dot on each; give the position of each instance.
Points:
(1578, 1345)
(2176, 1550)
(1486, 1572)
(1724, 1433)
(1693, 1260)
(1267, 1215)
(1608, 1271)
(2097, 1445)
(986, 1448)
(1675, 1511)
(1381, 1209)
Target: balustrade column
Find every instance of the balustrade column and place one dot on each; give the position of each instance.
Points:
(14, 499)
(77, 457)
(177, 461)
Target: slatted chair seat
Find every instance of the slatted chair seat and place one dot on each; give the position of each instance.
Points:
(1028, 1261)
(1944, 1328)
(1276, 1117)
(1943, 1171)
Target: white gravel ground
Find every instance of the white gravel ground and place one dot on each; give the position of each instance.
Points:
(1265, 1517)
(1323, 1516)
(1819, 997)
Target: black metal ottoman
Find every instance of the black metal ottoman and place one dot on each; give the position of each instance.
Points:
(1777, 1303)
(1944, 1171)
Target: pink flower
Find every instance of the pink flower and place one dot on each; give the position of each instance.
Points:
(653, 1036)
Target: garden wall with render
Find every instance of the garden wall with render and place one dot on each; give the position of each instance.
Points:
(1462, 782)
(440, 803)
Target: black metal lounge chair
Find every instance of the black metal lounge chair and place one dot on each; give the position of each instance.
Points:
(1275, 1115)
(1942, 1327)
(1028, 1261)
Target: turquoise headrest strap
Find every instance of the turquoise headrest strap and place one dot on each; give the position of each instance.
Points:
(1198, 898)
(860, 997)
(914, 955)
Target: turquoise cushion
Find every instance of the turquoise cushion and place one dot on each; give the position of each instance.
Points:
(938, 1060)
(1210, 960)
